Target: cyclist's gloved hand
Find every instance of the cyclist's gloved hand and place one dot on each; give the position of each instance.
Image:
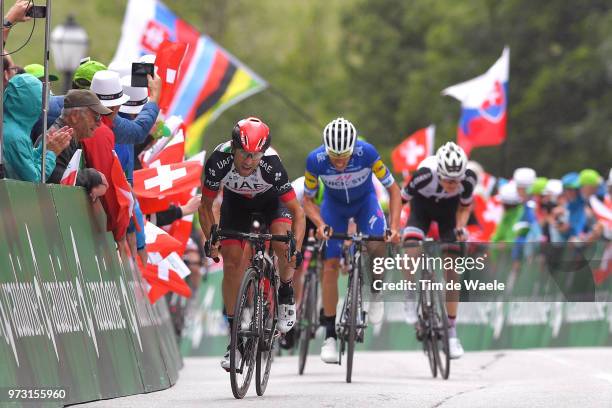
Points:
(299, 258)
(461, 234)
(324, 231)
(392, 236)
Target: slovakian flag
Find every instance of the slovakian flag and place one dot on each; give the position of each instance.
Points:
(166, 180)
(414, 149)
(211, 79)
(69, 177)
(168, 62)
(165, 267)
(484, 105)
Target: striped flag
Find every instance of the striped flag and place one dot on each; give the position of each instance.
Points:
(210, 80)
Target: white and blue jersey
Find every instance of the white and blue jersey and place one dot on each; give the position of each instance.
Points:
(349, 193)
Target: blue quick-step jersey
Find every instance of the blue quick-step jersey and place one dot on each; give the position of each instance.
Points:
(354, 182)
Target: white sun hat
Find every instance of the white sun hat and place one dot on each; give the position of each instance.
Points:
(107, 85)
(139, 96)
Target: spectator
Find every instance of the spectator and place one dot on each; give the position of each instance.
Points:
(22, 105)
(10, 70)
(126, 131)
(81, 80)
(509, 228)
(38, 71)
(575, 205)
(81, 112)
(590, 182)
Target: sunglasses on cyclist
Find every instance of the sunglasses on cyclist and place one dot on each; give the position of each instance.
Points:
(450, 180)
(246, 155)
(339, 156)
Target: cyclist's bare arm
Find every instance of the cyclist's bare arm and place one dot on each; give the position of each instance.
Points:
(314, 213)
(463, 214)
(395, 206)
(299, 221)
(207, 218)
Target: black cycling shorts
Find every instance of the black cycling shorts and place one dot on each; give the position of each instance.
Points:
(425, 210)
(237, 211)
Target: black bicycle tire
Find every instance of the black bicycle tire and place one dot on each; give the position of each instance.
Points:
(305, 312)
(352, 323)
(443, 354)
(262, 382)
(250, 275)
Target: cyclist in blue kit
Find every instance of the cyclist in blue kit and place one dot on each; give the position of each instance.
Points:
(345, 166)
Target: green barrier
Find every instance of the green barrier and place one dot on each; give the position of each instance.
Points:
(505, 321)
(73, 315)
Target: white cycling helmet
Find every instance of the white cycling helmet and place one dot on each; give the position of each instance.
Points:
(339, 136)
(452, 160)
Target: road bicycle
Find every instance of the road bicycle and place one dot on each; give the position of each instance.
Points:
(253, 330)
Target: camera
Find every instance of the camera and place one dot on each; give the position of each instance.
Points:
(37, 12)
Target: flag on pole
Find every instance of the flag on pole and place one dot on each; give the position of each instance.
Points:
(69, 177)
(484, 103)
(211, 79)
(414, 149)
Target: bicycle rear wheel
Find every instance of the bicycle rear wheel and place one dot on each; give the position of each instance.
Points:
(424, 315)
(266, 344)
(352, 321)
(245, 333)
(307, 321)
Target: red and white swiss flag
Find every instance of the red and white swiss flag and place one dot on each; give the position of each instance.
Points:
(488, 213)
(167, 180)
(602, 211)
(414, 149)
(172, 152)
(168, 61)
(164, 268)
(70, 174)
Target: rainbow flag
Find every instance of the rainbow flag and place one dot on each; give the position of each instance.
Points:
(210, 79)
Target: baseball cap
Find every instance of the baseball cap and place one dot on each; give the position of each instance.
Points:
(80, 98)
(570, 180)
(85, 72)
(589, 177)
(39, 72)
(538, 186)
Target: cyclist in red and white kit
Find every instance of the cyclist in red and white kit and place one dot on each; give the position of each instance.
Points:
(254, 181)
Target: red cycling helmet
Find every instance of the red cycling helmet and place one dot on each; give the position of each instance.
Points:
(251, 135)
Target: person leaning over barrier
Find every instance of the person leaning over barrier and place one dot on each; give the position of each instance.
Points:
(22, 105)
(82, 112)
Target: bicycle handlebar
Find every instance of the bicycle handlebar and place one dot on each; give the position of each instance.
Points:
(357, 237)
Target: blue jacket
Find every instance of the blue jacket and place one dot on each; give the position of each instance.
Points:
(126, 131)
(22, 106)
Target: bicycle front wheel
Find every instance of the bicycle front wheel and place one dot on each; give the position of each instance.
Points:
(352, 321)
(440, 334)
(307, 313)
(245, 333)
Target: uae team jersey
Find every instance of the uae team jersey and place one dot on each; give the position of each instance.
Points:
(269, 180)
(353, 183)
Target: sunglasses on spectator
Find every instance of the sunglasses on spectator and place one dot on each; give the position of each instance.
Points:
(188, 262)
(246, 155)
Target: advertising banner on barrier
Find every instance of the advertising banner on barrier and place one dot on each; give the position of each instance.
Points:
(73, 316)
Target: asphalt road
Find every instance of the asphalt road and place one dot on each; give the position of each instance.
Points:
(507, 378)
